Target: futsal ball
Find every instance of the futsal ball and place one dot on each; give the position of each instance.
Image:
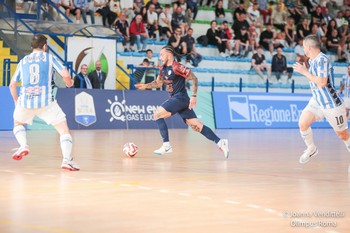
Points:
(130, 149)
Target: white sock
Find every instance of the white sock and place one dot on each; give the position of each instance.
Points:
(166, 144)
(21, 135)
(78, 21)
(66, 146)
(347, 142)
(307, 137)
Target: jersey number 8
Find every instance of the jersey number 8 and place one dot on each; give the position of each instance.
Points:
(34, 71)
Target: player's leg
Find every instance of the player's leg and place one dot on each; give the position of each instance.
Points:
(21, 117)
(54, 115)
(159, 116)
(198, 126)
(306, 119)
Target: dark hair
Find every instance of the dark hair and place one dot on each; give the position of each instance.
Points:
(167, 6)
(38, 41)
(171, 50)
(149, 50)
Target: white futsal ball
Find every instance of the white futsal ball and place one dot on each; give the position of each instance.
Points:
(130, 149)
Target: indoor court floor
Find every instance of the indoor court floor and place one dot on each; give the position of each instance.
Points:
(261, 188)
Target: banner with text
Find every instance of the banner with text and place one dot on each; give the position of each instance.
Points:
(260, 110)
(107, 109)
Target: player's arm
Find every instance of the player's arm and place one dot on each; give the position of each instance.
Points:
(193, 100)
(341, 88)
(301, 68)
(66, 77)
(13, 84)
(154, 84)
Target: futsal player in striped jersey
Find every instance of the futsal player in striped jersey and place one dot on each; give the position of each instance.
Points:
(35, 98)
(345, 89)
(325, 101)
(175, 75)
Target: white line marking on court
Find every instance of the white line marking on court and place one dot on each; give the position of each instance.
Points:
(105, 182)
(164, 191)
(125, 185)
(205, 197)
(28, 173)
(253, 206)
(48, 175)
(185, 194)
(270, 210)
(144, 187)
(8, 171)
(233, 202)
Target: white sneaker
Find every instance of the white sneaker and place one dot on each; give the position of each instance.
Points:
(163, 150)
(308, 153)
(223, 54)
(70, 165)
(22, 151)
(223, 146)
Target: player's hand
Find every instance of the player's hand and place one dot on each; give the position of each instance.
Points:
(193, 103)
(140, 86)
(301, 68)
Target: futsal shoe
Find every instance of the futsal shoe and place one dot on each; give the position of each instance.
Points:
(22, 151)
(308, 153)
(70, 165)
(223, 146)
(163, 150)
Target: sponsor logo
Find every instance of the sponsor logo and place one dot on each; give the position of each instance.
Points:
(120, 111)
(85, 109)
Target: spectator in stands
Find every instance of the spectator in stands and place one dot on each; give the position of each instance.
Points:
(215, 39)
(102, 7)
(279, 17)
(29, 6)
(331, 25)
(239, 10)
(138, 4)
(140, 71)
(289, 30)
(322, 32)
(333, 45)
(126, 6)
(84, 7)
(326, 16)
(303, 29)
(259, 64)
(138, 34)
(164, 23)
(157, 6)
(191, 53)
(299, 51)
(240, 22)
(293, 13)
(233, 4)
(344, 33)
(153, 63)
(339, 19)
(70, 8)
(316, 17)
(122, 27)
(347, 15)
(242, 43)
(192, 5)
(228, 36)
(178, 21)
(152, 22)
(279, 66)
(208, 2)
(219, 12)
(177, 42)
(254, 16)
(266, 13)
(253, 38)
(83, 80)
(267, 40)
(98, 77)
(185, 11)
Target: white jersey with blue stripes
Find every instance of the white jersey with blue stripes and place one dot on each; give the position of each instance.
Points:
(326, 97)
(346, 82)
(36, 72)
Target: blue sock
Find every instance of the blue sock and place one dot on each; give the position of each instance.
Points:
(163, 128)
(208, 133)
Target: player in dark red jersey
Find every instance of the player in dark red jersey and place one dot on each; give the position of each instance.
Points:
(175, 75)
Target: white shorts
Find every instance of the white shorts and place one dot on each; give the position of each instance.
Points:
(336, 117)
(51, 114)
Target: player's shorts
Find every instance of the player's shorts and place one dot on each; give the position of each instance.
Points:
(179, 104)
(51, 114)
(336, 117)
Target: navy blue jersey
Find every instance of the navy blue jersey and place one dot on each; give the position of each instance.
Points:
(175, 77)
